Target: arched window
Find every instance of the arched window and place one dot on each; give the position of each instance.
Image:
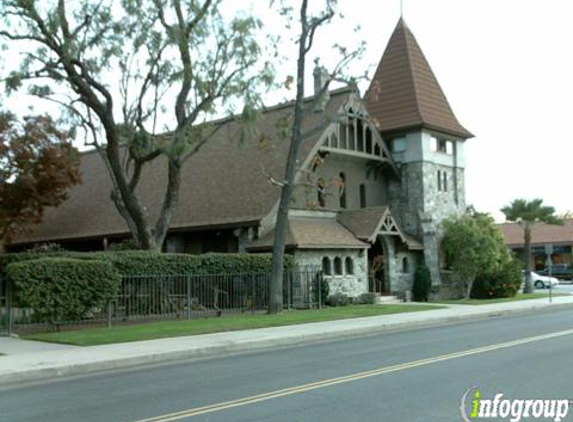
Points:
(326, 266)
(349, 266)
(321, 192)
(359, 134)
(377, 149)
(344, 132)
(334, 140)
(362, 196)
(405, 265)
(368, 143)
(342, 189)
(337, 266)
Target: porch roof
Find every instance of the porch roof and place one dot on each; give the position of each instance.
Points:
(313, 233)
(368, 223)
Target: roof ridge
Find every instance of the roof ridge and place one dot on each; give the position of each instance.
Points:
(275, 107)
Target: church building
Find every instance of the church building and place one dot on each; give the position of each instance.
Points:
(372, 186)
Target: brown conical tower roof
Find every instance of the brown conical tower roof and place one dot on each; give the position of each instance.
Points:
(404, 92)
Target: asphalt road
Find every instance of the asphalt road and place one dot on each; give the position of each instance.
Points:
(416, 375)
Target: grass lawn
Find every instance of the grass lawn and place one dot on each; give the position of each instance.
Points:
(155, 330)
(519, 296)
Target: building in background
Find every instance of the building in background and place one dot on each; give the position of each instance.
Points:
(561, 237)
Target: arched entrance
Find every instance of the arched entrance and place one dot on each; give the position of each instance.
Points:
(378, 279)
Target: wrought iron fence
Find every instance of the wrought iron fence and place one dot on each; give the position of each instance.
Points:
(5, 306)
(169, 297)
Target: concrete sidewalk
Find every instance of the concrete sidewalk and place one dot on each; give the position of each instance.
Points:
(53, 361)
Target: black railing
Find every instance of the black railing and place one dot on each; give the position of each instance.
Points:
(170, 297)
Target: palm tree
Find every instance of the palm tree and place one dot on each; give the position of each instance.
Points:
(527, 214)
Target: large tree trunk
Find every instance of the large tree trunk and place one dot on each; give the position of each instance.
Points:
(528, 286)
(276, 284)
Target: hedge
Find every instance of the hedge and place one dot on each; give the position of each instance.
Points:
(422, 284)
(504, 282)
(63, 289)
(155, 263)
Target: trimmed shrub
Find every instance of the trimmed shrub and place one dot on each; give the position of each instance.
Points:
(338, 299)
(151, 263)
(504, 282)
(422, 284)
(63, 289)
(156, 263)
(368, 298)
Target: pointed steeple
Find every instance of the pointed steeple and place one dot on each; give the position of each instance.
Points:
(404, 92)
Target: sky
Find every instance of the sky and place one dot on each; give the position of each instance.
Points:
(506, 67)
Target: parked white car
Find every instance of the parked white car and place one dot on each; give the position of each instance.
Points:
(543, 281)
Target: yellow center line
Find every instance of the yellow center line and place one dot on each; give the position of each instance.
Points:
(217, 407)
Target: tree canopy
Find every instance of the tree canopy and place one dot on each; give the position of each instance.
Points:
(141, 78)
(37, 166)
(473, 244)
(527, 214)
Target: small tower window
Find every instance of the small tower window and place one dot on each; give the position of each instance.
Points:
(445, 181)
(442, 145)
(362, 196)
(326, 266)
(349, 266)
(399, 145)
(342, 189)
(439, 180)
(337, 266)
(449, 148)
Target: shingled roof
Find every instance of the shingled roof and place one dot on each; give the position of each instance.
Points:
(365, 224)
(542, 234)
(404, 92)
(224, 184)
(312, 233)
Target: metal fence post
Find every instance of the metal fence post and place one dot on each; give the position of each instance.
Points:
(188, 294)
(252, 294)
(9, 307)
(319, 287)
(109, 313)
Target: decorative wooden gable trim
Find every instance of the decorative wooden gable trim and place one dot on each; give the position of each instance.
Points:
(387, 227)
(355, 134)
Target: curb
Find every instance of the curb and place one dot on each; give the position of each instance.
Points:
(16, 377)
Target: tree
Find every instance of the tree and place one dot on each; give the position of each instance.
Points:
(309, 24)
(473, 244)
(140, 77)
(37, 166)
(527, 214)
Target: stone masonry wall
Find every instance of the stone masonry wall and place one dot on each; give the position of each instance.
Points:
(352, 285)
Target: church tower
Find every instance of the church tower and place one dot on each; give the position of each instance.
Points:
(426, 141)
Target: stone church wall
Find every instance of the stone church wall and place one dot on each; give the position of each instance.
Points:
(352, 285)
